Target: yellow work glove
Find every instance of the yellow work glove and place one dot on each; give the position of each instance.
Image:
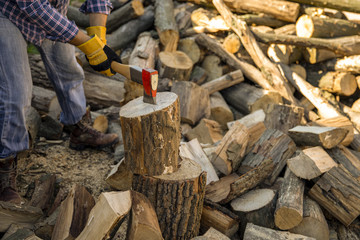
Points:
(99, 55)
(100, 31)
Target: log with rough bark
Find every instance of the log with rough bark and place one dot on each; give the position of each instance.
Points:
(247, 98)
(341, 83)
(45, 101)
(194, 101)
(289, 206)
(220, 218)
(320, 27)
(207, 132)
(315, 55)
(231, 149)
(73, 215)
(143, 56)
(345, 46)
(129, 31)
(224, 81)
(351, 6)
(220, 110)
(348, 233)
(341, 122)
(44, 191)
(311, 163)
(282, 116)
(347, 64)
(151, 134)
(25, 216)
(253, 231)
(143, 223)
(106, 215)
(314, 223)
(257, 207)
(165, 24)
(273, 145)
(339, 193)
(192, 150)
(175, 65)
(177, 198)
(327, 137)
(269, 69)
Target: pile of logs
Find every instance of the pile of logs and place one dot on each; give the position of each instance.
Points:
(255, 134)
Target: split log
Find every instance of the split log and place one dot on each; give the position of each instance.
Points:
(175, 65)
(192, 150)
(327, 137)
(143, 56)
(213, 234)
(45, 101)
(127, 12)
(339, 193)
(250, 119)
(15, 214)
(44, 191)
(283, 117)
(224, 81)
(345, 46)
(106, 215)
(73, 214)
(217, 191)
(120, 178)
(165, 25)
(257, 207)
(128, 32)
(22, 234)
(356, 106)
(220, 110)
(190, 47)
(273, 145)
(151, 135)
(247, 98)
(341, 83)
(289, 206)
(314, 223)
(260, 233)
(144, 223)
(231, 149)
(345, 157)
(269, 69)
(207, 132)
(319, 27)
(286, 54)
(335, 4)
(341, 122)
(220, 218)
(177, 198)
(212, 65)
(311, 163)
(347, 64)
(194, 101)
(232, 43)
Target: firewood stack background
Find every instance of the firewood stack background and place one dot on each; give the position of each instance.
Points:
(265, 122)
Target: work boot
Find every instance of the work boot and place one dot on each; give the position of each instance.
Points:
(8, 171)
(84, 135)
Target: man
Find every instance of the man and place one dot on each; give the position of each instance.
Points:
(43, 23)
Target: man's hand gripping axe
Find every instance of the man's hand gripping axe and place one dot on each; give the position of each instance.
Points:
(145, 76)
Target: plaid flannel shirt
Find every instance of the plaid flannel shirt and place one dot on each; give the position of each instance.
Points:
(40, 19)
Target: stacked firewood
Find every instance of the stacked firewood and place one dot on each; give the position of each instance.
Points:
(265, 92)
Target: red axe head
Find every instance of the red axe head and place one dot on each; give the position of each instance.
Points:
(150, 83)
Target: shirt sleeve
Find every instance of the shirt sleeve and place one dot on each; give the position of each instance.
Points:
(49, 19)
(96, 6)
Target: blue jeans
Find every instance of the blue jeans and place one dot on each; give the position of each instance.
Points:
(16, 85)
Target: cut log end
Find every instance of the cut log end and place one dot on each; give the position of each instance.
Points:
(292, 219)
(304, 26)
(138, 7)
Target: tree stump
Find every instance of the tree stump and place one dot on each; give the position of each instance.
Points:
(177, 198)
(151, 134)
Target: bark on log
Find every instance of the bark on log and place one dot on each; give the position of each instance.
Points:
(339, 193)
(270, 71)
(151, 134)
(175, 65)
(318, 27)
(314, 223)
(220, 110)
(224, 81)
(129, 31)
(144, 223)
(44, 191)
(286, 54)
(351, 6)
(45, 101)
(341, 83)
(247, 98)
(311, 163)
(346, 64)
(194, 101)
(177, 198)
(165, 24)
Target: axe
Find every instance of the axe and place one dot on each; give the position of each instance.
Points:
(144, 76)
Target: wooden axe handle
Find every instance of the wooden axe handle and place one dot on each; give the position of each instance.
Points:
(121, 69)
